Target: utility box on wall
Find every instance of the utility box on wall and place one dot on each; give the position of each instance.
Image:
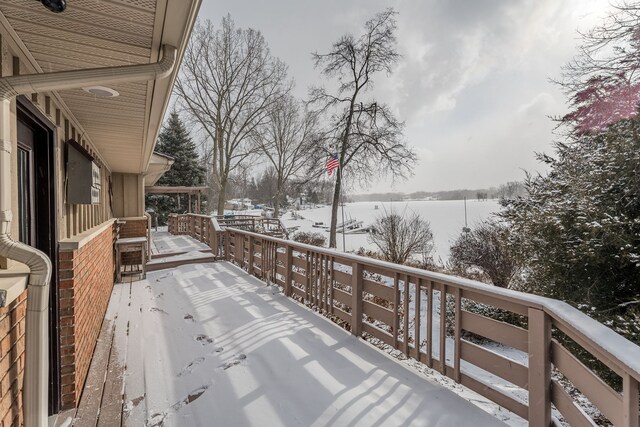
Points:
(83, 176)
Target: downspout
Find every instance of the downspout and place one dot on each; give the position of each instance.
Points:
(36, 371)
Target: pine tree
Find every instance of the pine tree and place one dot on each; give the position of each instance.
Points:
(187, 170)
(578, 227)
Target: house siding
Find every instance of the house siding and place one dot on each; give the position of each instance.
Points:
(86, 282)
(12, 343)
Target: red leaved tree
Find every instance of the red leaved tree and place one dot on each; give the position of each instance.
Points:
(603, 80)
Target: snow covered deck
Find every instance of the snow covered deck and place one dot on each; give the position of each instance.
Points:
(163, 243)
(169, 251)
(207, 344)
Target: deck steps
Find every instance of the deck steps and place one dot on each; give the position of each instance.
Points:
(174, 260)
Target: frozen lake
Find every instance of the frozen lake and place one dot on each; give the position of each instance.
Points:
(445, 216)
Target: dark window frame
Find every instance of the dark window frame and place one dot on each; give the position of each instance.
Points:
(46, 176)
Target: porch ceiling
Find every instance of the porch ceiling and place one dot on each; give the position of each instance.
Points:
(105, 33)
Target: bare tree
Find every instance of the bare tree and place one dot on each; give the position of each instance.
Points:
(287, 142)
(365, 134)
(227, 85)
(486, 248)
(398, 236)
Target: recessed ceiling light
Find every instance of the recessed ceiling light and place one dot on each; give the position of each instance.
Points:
(101, 91)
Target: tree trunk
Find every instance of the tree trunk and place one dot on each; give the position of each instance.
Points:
(276, 208)
(222, 196)
(334, 210)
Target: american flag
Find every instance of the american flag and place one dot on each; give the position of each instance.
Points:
(332, 163)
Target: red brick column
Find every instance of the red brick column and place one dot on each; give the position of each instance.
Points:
(86, 282)
(133, 228)
(12, 342)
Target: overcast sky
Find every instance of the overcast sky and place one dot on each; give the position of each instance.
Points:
(473, 84)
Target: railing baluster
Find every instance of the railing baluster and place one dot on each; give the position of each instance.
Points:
(416, 320)
(443, 329)
(308, 279)
(356, 299)
(331, 284)
(405, 322)
(321, 291)
(314, 282)
(396, 309)
(288, 271)
(251, 255)
(429, 323)
(457, 336)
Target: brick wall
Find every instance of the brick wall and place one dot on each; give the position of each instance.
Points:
(86, 281)
(133, 228)
(12, 342)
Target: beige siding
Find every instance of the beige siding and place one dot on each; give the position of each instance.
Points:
(128, 195)
(72, 219)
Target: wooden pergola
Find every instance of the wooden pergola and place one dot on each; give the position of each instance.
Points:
(190, 191)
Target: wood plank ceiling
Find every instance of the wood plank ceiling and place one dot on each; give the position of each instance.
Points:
(89, 34)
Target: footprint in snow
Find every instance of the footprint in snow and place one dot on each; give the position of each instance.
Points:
(187, 369)
(233, 362)
(157, 419)
(133, 403)
(203, 339)
(215, 350)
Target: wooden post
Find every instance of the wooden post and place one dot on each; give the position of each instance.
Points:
(539, 368)
(630, 411)
(416, 320)
(288, 266)
(307, 284)
(356, 299)
(405, 322)
(251, 251)
(457, 335)
(429, 323)
(443, 329)
(396, 309)
(226, 245)
(213, 239)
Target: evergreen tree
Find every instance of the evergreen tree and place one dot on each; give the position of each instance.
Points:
(578, 228)
(187, 170)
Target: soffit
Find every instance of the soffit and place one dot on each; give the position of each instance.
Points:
(106, 33)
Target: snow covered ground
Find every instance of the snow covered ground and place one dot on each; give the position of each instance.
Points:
(208, 344)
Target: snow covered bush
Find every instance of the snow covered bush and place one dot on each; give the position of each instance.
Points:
(315, 239)
(398, 237)
(485, 249)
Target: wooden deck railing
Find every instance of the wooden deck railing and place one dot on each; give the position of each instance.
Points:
(429, 317)
(185, 223)
(269, 226)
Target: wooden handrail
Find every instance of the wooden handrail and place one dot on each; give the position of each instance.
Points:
(349, 288)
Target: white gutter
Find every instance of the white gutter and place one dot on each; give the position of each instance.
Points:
(74, 79)
(36, 371)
